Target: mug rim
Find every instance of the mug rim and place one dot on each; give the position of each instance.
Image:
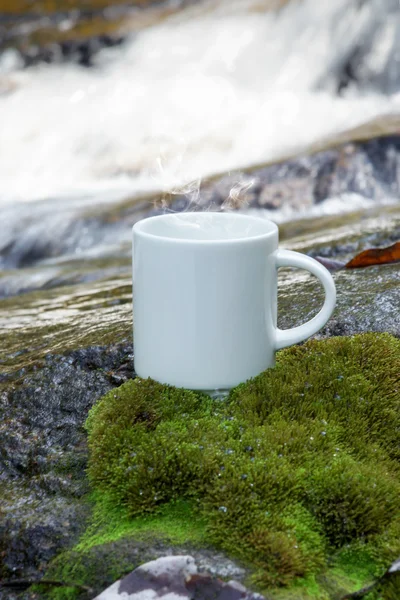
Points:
(271, 228)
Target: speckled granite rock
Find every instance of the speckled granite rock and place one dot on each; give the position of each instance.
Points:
(43, 454)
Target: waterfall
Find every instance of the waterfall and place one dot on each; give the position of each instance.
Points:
(212, 88)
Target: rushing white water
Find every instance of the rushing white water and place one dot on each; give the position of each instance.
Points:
(210, 89)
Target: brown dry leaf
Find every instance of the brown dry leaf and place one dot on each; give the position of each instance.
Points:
(375, 256)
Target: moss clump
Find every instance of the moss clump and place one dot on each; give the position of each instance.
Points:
(296, 467)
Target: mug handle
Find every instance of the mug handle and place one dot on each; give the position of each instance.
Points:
(287, 337)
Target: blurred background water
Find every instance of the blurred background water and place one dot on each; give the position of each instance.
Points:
(216, 86)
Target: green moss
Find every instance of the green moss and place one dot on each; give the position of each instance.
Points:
(296, 473)
(356, 563)
(56, 593)
(175, 521)
(389, 589)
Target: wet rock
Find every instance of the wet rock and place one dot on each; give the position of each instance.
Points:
(71, 36)
(367, 301)
(75, 234)
(175, 578)
(43, 323)
(100, 312)
(364, 171)
(71, 32)
(43, 453)
(272, 187)
(371, 169)
(25, 280)
(45, 412)
(368, 169)
(366, 298)
(42, 235)
(81, 52)
(32, 535)
(366, 32)
(372, 62)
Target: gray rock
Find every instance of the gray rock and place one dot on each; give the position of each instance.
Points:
(369, 58)
(43, 454)
(367, 298)
(368, 168)
(174, 578)
(53, 45)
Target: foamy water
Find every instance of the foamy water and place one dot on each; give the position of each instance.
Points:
(204, 92)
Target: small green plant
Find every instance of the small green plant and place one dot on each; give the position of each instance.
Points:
(295, 467)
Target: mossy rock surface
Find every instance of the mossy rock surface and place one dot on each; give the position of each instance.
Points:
(295, 474)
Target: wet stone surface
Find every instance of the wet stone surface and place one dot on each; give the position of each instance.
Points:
(366, 298)
(70, 31)
(370, 169)
(362, 172)
(43, 453)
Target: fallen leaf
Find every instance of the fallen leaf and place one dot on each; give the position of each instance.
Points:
(375, 256)
(331, 265)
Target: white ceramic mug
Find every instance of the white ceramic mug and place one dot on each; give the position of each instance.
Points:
(205, 298)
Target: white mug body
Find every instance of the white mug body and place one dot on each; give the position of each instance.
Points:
(205, 298)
